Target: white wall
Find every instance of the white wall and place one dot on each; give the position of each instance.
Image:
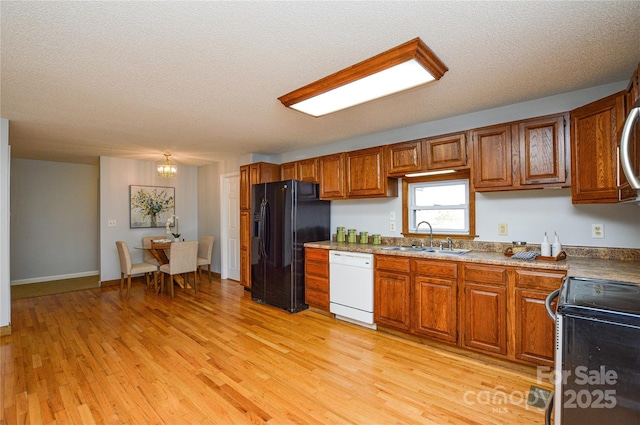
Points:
(209, 209)
(528, 213)
(54, 208)
(5, 276)
(116, 175)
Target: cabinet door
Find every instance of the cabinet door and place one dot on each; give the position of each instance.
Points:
(308, 170)
(288, 171)
(485, 317)
(332, 181)
(594, 137)
(492, 152)
(245, 248)
(365, 173)
(542, 151)
(445, 152)
(391, 295)
(534, 329)
(435, 309)
(245, 188)
(404, 158)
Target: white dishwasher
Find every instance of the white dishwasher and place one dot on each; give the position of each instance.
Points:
(351, 287)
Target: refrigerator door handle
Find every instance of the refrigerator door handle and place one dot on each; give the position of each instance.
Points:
(266, 222)
(261, 229)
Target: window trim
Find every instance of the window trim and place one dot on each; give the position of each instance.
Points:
(459, 175)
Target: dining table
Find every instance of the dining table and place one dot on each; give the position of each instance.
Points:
(158, 249)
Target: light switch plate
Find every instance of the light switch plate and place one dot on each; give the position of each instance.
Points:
(392, 216)
(503, 229)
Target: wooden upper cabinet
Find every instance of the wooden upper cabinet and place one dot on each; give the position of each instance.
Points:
(332, 176)
(403, 158)
(595, 130)
(307, 170)
(529, 154)
(366, 174)
(543, 150)
(288, 171)
(445, 152)
(259, 172)
(245, 188)
(492, 156)
(434, 153)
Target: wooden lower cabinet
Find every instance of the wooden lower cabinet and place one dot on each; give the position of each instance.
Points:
(316, 278)
(484, 308)
(245, 248)
(435, 303)
(534, 331)
(392, 291)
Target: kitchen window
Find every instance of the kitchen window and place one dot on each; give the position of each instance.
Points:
(447, 204)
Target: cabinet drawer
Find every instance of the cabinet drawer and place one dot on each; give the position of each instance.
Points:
(317, 299)
(317, 254)
(538, 279)
(317, 269)
(441, 269)
(485, 274)
(392, 263)
(317, 284)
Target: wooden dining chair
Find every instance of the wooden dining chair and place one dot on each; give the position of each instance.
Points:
(129, 269)
(183, 258)
(205, 249)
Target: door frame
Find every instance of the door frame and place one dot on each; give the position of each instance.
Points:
(224, 220)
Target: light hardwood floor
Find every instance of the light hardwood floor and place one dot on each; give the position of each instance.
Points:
(217, 357)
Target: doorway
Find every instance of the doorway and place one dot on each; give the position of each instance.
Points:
(230, 226)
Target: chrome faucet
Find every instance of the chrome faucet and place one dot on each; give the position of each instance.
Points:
(430, 233)
(450, 242)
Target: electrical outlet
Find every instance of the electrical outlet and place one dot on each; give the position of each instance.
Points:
(503, 229)
(111, 223)
(392, 216)
(597, 231)
(392, 226)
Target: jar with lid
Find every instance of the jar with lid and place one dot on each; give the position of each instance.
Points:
(340, 235)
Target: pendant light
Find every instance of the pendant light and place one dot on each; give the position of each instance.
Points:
(166, 169)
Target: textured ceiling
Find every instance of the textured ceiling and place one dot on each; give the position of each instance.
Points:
(201, 79)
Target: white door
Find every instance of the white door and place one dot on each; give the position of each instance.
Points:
(231, 227)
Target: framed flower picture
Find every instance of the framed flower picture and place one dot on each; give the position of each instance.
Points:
(151, 206)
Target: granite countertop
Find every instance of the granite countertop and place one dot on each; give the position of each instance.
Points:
(601, 268)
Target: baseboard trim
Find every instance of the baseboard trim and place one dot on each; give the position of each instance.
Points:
(50, 278)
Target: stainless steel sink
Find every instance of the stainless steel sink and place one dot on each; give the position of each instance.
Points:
(451, 252)
(408, 249)
(427, 250)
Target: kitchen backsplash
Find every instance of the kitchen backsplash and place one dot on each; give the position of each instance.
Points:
(624, 254)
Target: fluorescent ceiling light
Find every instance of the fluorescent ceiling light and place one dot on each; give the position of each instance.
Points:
(430, 173)
(406, 66)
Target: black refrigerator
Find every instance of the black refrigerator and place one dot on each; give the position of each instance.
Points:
(286, 215)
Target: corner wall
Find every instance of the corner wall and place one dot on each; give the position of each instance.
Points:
(5, 276)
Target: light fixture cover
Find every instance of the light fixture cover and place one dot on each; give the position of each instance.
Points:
(408, 65)
(167, 169)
